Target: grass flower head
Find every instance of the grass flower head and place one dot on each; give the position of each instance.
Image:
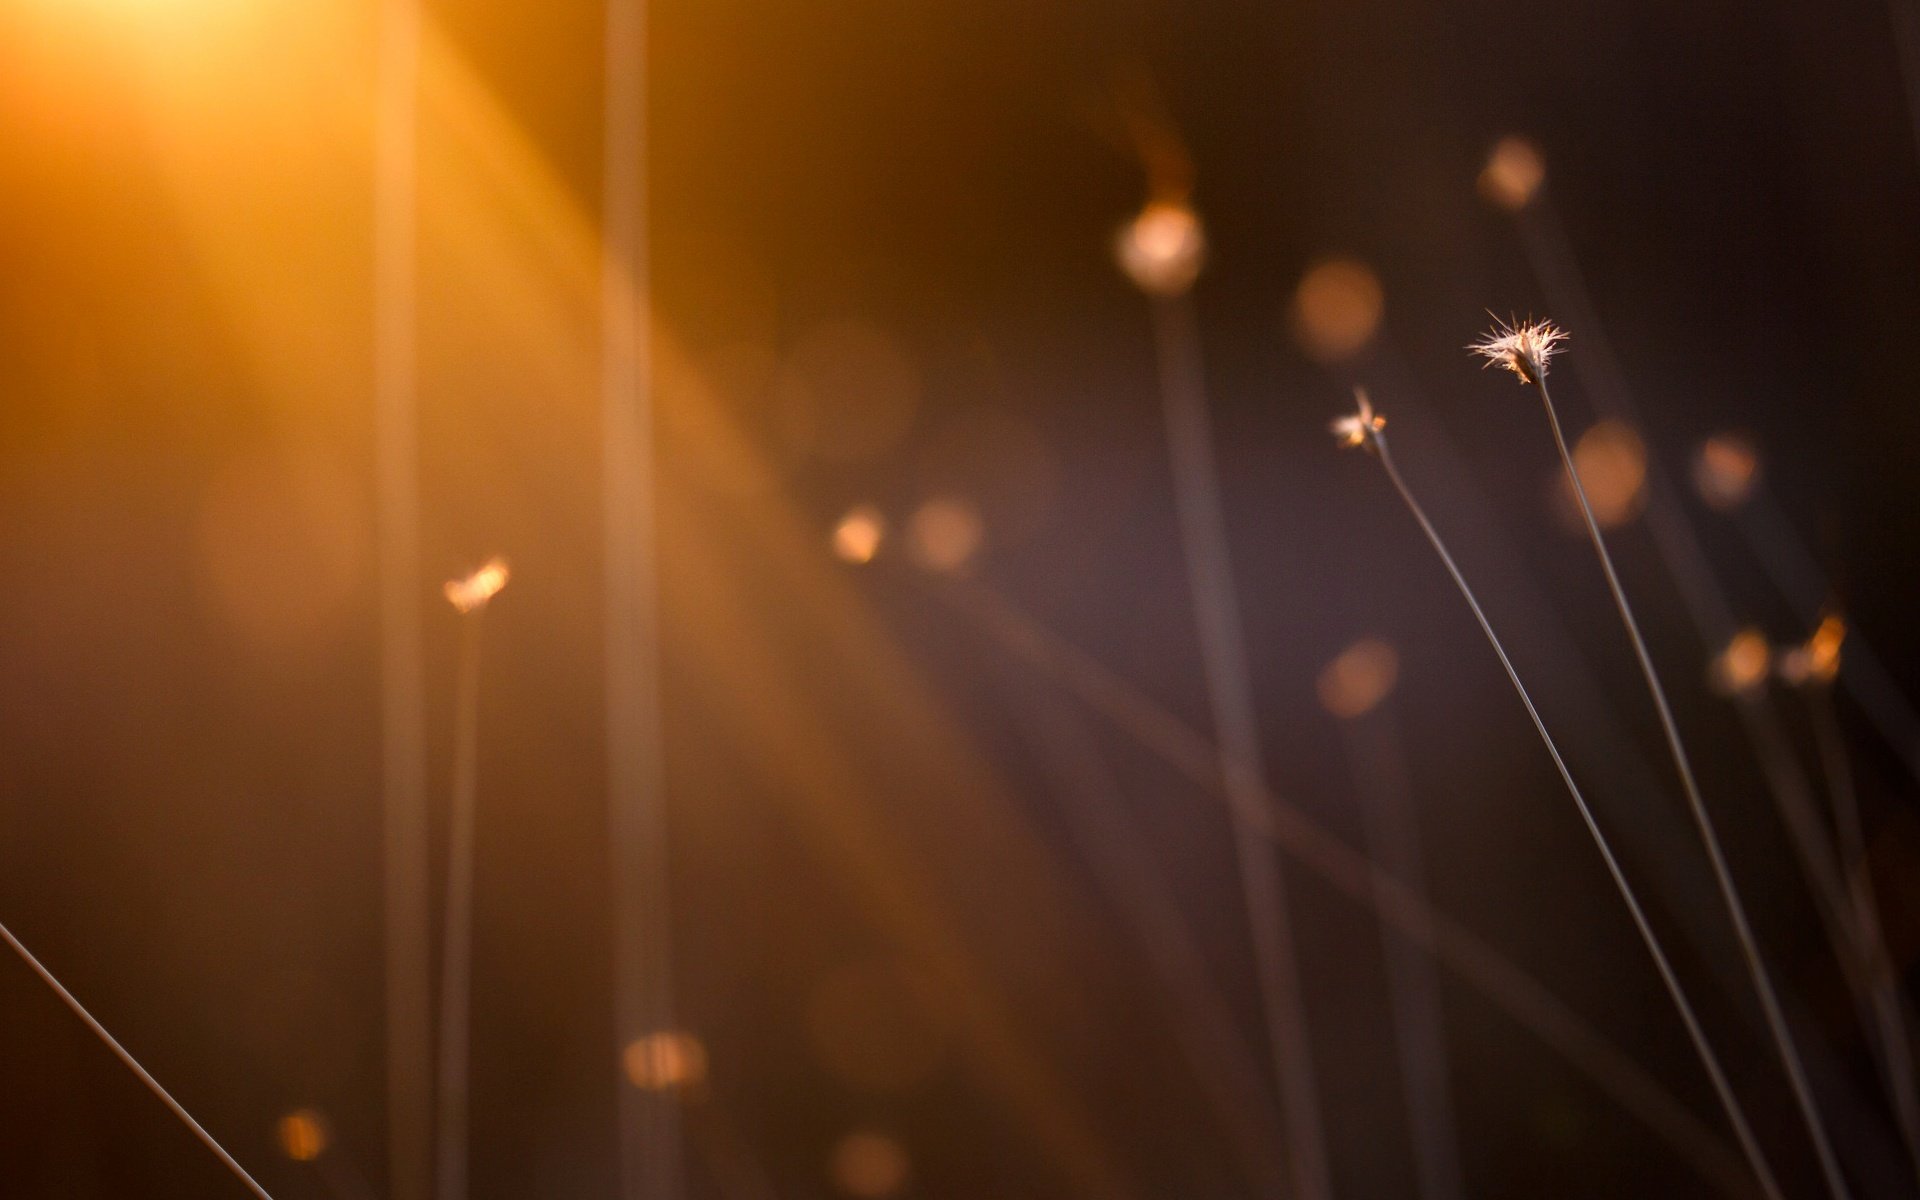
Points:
(1523, 347)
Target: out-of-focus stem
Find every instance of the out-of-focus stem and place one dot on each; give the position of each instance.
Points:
(1230, 696)
(1896, 1043)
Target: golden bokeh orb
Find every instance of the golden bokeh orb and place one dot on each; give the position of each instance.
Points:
(1726, 470)
(946, 533)
(303, 1135)
(1513, 174)
(1162, 249)
(669, 1060)
(1359, 678)
(1742, 666)
(869, 1165)
(1337, 309)
(1612, 461)
(858, 535)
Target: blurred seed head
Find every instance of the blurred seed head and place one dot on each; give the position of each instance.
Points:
(1162, 249)
(669, 1060)
(1336, 309)
(1612, 461)
(1818, 659)
(1513, 173)
(857, 538)
(1357, 427)
(1726, 470)
(1525, 347)
(870, 1165)
(1359, 678)
(1741, 668)
(472, 593)
(945, 533)
(303, 1135)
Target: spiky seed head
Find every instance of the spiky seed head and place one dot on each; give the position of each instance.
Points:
(1523, 347)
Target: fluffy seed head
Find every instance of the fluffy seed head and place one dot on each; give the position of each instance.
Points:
(1523, 347)
(1358, 427)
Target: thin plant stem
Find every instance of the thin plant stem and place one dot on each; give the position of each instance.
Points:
(407, 895)
(1379, 769)
(1782, 556)
(1678, 546)
(1479, 966)
(1695, 1033)
(456, 948)
(132, 1064)
(651, 1151)
(1896, 1044)
(1223, 658)
(1125, 867)
(1749, 947)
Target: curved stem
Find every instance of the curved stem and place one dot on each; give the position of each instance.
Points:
(1688, 1017)
(1749, 946)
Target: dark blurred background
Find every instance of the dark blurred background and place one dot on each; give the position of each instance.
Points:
(884, 276)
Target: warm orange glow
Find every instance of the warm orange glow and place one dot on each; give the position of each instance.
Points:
(857, 538)
(1743, 665)
(1359, 678)
(1818, 660)
(1726, 470)
(946, 534)
(1162, 249)
(1513, 173)
(303, 1135)
(1612, 462)
(283, 546)
(870, 1165)
(473, 592)
(1337, 308)
(875, 1025)
(665, 1061)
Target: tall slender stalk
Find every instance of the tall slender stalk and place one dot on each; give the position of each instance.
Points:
(1896, 1043)
(132, 1064)
(650, 1160)
(1749, 947)
(406, 894)
(1708, 1059)
(456, 947)
(1555, 264)
(1379, 769)
(1124, 865)
(1230, 695)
